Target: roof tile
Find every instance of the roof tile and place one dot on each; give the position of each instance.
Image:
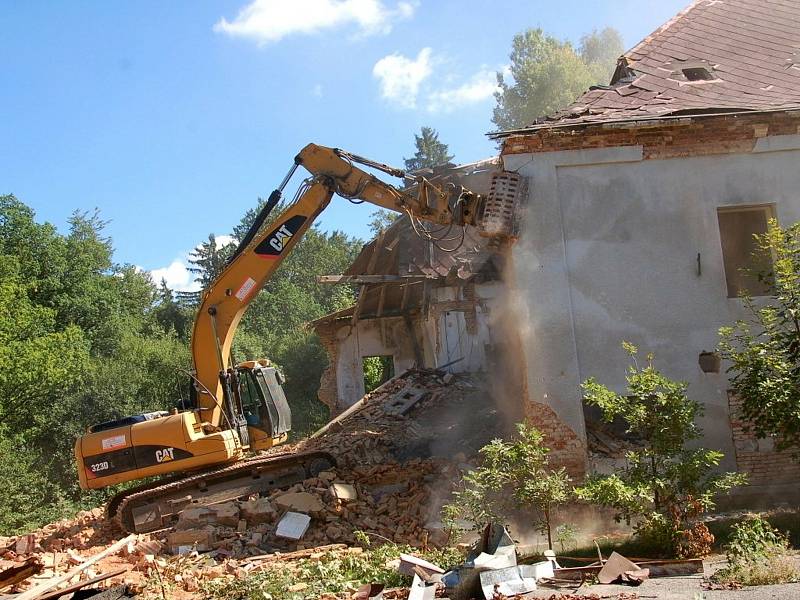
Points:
(749, 45)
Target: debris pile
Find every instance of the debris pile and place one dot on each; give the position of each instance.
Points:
(396, 455)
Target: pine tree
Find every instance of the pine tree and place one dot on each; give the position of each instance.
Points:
(208, 260)
(430, 151)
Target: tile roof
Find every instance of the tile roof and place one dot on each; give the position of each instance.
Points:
(748, 49)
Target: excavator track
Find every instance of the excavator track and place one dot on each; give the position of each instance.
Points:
(158, 504)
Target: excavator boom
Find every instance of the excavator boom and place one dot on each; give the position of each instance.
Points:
(242, 407)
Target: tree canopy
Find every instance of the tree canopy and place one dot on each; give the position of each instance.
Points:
(430, 151)
(547, 74)
(84, 339)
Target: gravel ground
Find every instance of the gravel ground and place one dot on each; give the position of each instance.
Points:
(681, 588)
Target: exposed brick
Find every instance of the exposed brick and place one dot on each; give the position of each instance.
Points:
(692, 136)
(762, 464)
(566, 448)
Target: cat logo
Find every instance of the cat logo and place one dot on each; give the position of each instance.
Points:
(279, 238)
(165, 455)
(273, 245)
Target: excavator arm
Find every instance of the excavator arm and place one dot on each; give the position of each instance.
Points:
(260, 253)
(242, 407)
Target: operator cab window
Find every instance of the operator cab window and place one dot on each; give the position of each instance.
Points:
(251, 398)
(740, 254)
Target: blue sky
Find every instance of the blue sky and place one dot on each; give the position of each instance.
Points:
(173, 117)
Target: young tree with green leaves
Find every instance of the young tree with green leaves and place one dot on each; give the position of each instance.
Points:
(665, 483)
(764, 350)
(430, 153)
(514, 474)
(548, 74)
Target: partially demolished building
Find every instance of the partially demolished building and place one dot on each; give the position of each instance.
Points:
(642, 200)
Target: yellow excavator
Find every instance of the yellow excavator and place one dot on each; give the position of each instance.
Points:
(206, 453)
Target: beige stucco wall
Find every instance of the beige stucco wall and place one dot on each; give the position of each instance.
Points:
(608, 252)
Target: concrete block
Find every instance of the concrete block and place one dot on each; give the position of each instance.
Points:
(293, 526)
(197, 539)
(226, 513)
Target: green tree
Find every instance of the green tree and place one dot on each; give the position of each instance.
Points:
(430, 153)
(208, 260)
(764, 350)
(547, 74)
(513, 474)
(171, 313)
(665, 483)
(80, 342)
(381, 220)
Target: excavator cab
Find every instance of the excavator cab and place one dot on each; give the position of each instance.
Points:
(263, 403)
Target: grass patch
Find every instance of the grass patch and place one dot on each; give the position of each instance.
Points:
(333, 573)
(758, 554)
(767, 571)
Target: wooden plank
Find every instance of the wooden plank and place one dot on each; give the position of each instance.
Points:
(17, 573)
(404, 301)
(381, 301)
(363, 279)
(362, 292)
(39, 590)
(658, 568)
(82, 584)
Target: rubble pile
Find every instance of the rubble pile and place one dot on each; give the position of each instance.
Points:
(396, 460)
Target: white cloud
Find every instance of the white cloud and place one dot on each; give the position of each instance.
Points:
(177, 274)
(316, 91)
(224, 240)
(481, 86)
(400, 77)
(265, 21)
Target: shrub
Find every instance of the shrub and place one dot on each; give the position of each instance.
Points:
(513, 474)
(764, 350)
(758, 554)
(665, 485)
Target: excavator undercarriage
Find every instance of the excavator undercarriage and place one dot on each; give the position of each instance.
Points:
(156, 505)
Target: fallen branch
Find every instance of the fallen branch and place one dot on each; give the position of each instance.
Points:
(297, 554)
(39, 590)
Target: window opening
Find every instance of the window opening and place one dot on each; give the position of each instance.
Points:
(742, 259)
(377, 370)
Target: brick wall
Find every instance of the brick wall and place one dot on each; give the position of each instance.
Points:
(690, 136)
(757, 457)
(566, 449)
(328, 392)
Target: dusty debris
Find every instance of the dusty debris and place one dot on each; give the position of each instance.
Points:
(301, 502)
(39, 590)
(385, 483)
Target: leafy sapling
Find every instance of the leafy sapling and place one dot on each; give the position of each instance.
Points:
(665, 485)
